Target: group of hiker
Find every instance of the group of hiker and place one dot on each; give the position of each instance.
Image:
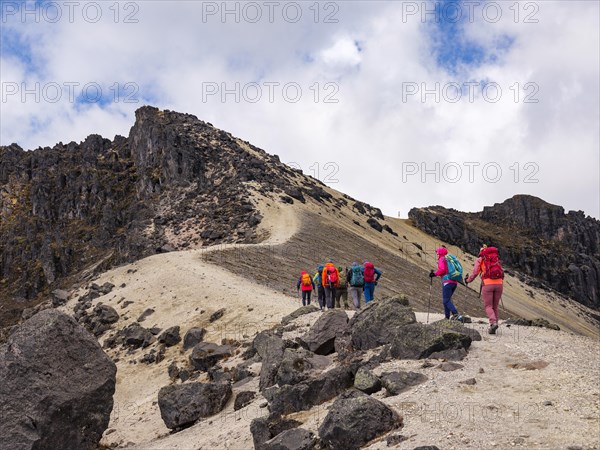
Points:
(333, 283)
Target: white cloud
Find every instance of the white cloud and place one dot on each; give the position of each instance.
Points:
(365, 61)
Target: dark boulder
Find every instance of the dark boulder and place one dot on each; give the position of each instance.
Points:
(242, 370)
(57, 385)
(292, 439)
(287, 399)
(374, 224)
(321, 336)
(416, 341)
(455, 325)
(266, 428)
(207, 354)
(298, 365)
(106, 314)
(242, 399)
(295, 193)
(398, 382)
(379, 323)
(170, 336)
(217, 374)
(100, 320)
(343, 344)
(269, 348)
(181, 405)
(136, 336)
(299, 312)
(354, 419)
(216, 315)
(193, 336)
(366, 381)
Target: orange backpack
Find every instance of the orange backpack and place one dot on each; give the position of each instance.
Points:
(306, 281)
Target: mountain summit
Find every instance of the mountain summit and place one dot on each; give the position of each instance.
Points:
(175, 183)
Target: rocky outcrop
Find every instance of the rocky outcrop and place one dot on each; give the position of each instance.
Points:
(266, 428)
(57, 385)
(193, 336)
(269, 348)
(206, 354)
(398, 382)
(182, 405)
(174, 183)
(170, 336)
(550, 248)
(366, 381)
(416, 341)
(303, 396)
(293, 439)
(379, 323)
(298, 365)
(320, 338)
(354, 419)
(132, 336)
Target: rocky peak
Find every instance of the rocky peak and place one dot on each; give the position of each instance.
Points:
(175, 182)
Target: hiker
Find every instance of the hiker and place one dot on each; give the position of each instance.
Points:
(320, 288)
(307, 284)
(488, 266)
(341, 291)
(371, 276)
(448, 284)
(356, 282)
(330, 279)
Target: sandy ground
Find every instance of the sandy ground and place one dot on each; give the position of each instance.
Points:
(183, 289)
(506, 408)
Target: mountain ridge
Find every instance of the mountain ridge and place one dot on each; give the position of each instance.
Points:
(552, 249)
(176, 183)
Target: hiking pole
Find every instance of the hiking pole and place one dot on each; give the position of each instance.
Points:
(429, 301)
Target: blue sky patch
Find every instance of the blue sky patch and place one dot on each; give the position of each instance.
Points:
(450, 46)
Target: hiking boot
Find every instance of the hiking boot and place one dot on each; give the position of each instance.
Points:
(456, 317)
(493, 328)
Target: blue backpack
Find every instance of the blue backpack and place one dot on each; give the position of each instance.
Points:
(357, 279)
(455, 270)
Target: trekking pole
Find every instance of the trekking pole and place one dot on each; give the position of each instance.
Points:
(429, 301)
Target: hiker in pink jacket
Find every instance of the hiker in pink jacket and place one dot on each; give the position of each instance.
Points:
(448, 285)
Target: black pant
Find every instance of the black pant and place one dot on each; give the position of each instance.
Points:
(306, 298)
(321, 296)
(330, 296)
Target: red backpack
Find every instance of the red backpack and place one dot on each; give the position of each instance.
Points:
(492, 266)
(369, 272)
(332, 275)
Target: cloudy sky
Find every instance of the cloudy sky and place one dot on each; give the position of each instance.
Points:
(399, 104)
